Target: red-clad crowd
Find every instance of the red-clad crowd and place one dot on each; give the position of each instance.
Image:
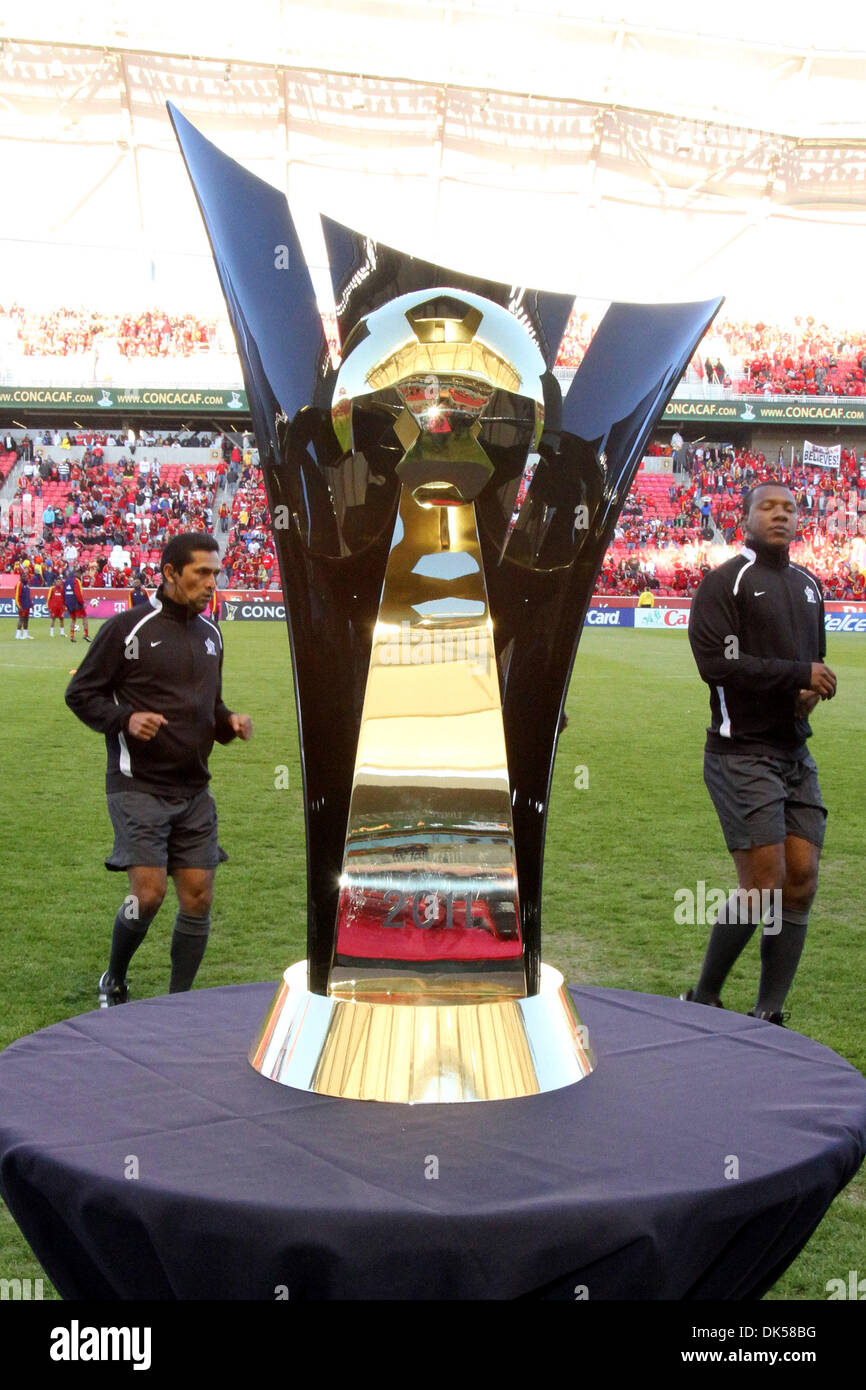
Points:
(668, 534)
(83, 513)
(250, 560)
(156, 334)
(105, 510)
(578, 335)
(806, 358)
(108, 521)
(152, 333)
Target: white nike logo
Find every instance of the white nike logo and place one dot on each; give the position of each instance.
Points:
(758, 593)
(156, 644)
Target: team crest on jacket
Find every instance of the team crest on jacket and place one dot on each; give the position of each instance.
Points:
(810, 594)
(209, 647)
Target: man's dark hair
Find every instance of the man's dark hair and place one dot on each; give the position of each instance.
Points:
(179, 550)
(749, 496)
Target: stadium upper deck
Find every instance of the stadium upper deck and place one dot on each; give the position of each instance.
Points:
(87, 346)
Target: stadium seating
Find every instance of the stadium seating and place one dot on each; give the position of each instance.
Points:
(152, 333)
(140, 529)
(802, 358)
(660, 542)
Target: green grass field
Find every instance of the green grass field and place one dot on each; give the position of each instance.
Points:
(617, 850)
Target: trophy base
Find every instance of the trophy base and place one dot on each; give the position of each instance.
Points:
(413, 1053)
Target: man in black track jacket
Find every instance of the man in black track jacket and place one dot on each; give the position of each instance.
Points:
(757, 634)
(152, 684)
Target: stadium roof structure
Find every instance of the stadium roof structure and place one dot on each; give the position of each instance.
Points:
(578, 147)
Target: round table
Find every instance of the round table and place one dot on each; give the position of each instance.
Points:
(143, 1158)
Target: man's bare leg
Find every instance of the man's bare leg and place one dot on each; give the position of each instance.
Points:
(146, 891)
(762, 868)
(781, 949)
(192, 925)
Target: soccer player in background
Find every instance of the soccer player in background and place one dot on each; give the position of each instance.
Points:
(73, 597)
(24, 603)
(137, 594)
(56, 606)
(757, 633)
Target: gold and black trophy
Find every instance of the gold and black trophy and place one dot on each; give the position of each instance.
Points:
(440, 511)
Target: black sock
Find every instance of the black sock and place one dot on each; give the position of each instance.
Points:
(188, 943)
(780, 956)
(731, 933)
(128, 933)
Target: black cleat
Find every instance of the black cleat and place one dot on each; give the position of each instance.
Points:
(768, 1017)
(689, 998)
(87, 639)
(110, 992)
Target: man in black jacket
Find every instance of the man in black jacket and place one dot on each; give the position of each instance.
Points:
(152, 684)
(757, 634)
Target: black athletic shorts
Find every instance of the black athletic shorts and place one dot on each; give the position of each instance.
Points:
(162, 831)
(759, 799)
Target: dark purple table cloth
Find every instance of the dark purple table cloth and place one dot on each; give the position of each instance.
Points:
(623, 1184)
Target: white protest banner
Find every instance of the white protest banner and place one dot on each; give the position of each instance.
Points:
(821, 455)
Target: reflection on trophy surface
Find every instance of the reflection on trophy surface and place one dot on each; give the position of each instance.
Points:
(428, 894)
